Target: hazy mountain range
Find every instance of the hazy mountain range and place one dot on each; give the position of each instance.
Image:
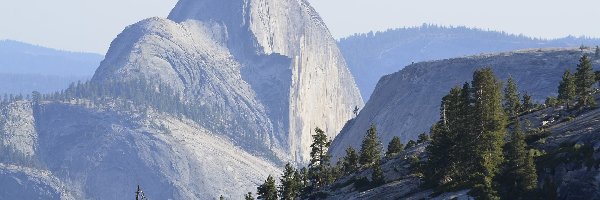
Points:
(25, 67)
(373, 55)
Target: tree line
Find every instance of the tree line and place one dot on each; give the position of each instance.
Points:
(475, 147)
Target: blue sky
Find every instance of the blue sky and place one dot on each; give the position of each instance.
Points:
(90, 25)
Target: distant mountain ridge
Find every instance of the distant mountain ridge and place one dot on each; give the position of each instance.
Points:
(373, 55)
(27, 67)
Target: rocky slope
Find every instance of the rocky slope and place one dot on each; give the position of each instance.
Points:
(99, 152)
(373, 55)
(566, 145)
(407, 102)
(267, 70)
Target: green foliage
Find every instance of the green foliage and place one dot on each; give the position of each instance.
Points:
(350, 161)
(248, 196)
(512, 104)
(489, 129)
(519, 179)
(394, 147)
(551, 102)
(370, 151)
(423, 137)
(584, 80)
(528, 104)
(268, 190)
(319, 165)
(567, 88)
(377, 176)
(466, 146)
(291, 183)
(410, 144)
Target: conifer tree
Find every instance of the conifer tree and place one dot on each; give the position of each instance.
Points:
(378, 178)
(248, 196)
(394, 147)
(319, 159)
(527, 102)
(597, 54)
(268, 190)
(443, 150)
(351, 161)
(370, 151)
(520, 176)
(290, 184)
(410, 144)
(584, 80)
(489, 129)
(512, 103)
(567, 88)
(423, 137)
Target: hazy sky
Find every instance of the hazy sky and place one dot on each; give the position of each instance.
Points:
(90, 25)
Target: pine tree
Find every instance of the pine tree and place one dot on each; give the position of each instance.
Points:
(351, 161)
(567, 88)
(394, 147)
(489, 130)
(442, 152)
(248, 196)
(410, 144)
(597, 54)
(520, 176)
(370, 151)
(268, 190)
(290, 184)
(377, 176)
(320, 160)
(423, 137)
(512, 104)
(527, 102)
(584, 80)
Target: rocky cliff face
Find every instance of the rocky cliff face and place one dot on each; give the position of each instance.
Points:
(407, 102)
(263, 75)
(101, 152)
(268, 72)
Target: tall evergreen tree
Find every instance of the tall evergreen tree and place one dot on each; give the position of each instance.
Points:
(512, 103)
(268, 190)
(520, 176)
(584, 80)
(394, 147)
(489, 130)
(441, 152)
(351, 161)
(378, 178)
(370, 151)
(597, 54)
(319, 159)
(527, 102)
(567, 88)
(290, 184)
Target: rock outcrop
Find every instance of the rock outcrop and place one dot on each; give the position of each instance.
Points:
(268, 72)
(407, 102)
